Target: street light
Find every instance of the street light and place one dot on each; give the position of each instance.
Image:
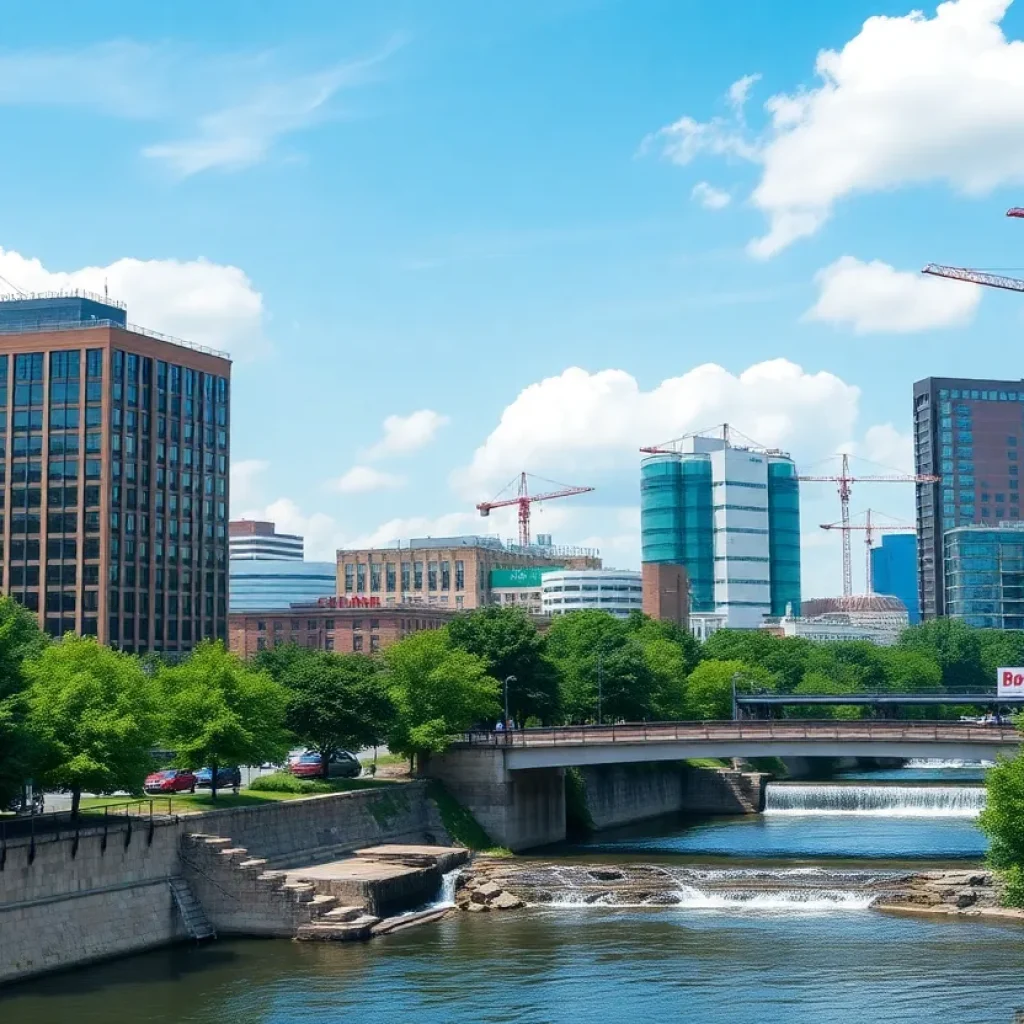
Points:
(508, 679)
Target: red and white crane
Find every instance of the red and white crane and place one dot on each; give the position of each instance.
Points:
(869, 526)
(982, 277)
(524, 500)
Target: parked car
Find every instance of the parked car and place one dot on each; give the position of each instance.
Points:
(171, 780)
(227, 778)
(341, 765)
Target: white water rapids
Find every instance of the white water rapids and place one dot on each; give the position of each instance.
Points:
(884, 801)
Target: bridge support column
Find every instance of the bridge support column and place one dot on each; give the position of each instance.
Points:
(517, 809)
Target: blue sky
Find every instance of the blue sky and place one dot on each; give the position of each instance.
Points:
(445, 242)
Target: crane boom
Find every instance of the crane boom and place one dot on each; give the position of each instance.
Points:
(1009, 284)
(523, 500)
(869, 528)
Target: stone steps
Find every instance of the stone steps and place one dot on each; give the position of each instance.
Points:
(339, 915)
(192, 915)
(358, 928)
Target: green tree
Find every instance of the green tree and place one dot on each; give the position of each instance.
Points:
(841, 685)
(220, 712)
(784, 657)
(438, 691)
(20, 639)
(709, 688)
(1000, 648)
(94, 712)
(280, 659)
(1002, 821)
(954, 646)
(510, 645)
(337, 701)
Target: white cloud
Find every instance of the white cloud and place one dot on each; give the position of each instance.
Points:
(739, 92)
(908, 100)
(246, 480)
(885, 445)
(323, 534)
(208, 303)
(405, 434)
(709, 197)
(363, 479)
(875, 297)
(579, 423)
(229, 110)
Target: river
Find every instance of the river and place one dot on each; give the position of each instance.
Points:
(770, 922)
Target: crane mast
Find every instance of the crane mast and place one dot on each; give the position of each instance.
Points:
(523, 500)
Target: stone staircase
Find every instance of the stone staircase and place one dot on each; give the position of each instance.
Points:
(192, 915)
(242, 896)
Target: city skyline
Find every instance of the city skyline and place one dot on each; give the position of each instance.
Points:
(631, 256)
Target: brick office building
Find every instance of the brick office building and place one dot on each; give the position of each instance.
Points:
(447, 572)
(344, 625)
(115, 451)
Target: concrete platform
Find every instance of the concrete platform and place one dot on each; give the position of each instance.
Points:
(445, 858)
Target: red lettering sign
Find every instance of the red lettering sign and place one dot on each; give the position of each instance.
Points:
(348, 602)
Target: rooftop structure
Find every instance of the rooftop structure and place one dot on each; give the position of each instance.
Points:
(616, 591)
(878, 618)
(255, 540)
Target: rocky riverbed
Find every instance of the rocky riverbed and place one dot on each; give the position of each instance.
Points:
(495, 884)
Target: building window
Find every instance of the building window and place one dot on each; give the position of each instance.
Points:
(431, 575)
(328, 624)
(357, 643)
(406, 571)
(357, 623)
(446, 576)
(375, 577)
(460, 574)
(350, 577)
(417, 581)
(374, 643)
(360, 578)
(390, 580)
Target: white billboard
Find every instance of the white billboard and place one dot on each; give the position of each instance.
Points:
(1010, 683)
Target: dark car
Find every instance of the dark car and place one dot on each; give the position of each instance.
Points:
(227, 778)
(340, 765)
(171, 780)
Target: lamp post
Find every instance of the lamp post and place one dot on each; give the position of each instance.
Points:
(600, 680)
(508, 679)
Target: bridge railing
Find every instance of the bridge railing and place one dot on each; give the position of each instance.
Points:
(753, 730)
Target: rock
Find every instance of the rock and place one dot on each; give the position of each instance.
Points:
(477, 908)
(488, 890)
(506, 901)
(965, 898)
(605, 875)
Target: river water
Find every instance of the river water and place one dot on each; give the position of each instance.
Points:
(770, 921)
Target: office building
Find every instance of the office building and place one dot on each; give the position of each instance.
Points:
(265, 584)
(615, 591)
(984, 575)
(878, 618)
(115, 451)
(254, 540)
(968, 433)
(731, 516)
(451, 572)
(894, 571)
(666, 592)
(520, 588)
(346, 625)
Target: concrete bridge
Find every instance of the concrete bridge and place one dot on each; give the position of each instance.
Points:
(515, 782)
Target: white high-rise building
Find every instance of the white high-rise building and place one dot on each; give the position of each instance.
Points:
(251, 540)
(731, 515)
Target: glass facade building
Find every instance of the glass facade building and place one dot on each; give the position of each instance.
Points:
(115, 454)
(968, 433)
(984, 575)
(258, 584)
(731, 516)
(894, 571)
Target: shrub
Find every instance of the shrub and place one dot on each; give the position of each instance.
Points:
(282, 782)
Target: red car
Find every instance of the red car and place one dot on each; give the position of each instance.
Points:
(172, 780)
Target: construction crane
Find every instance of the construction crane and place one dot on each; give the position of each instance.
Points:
(869, 527)
(844, 482)
(982, 277)
(524, 499)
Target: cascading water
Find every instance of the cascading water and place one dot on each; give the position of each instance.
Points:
(883, 801)
(449, 882)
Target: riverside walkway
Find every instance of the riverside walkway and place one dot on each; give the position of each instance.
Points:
(671, 741)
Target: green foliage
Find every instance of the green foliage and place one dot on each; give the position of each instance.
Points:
(221, 712)
(94, 713)
(785, 658)
(20, 638)
(1000, 648)
(283, 782)
(577, 812)
(1003, 818)
(508, 643)
(709, 688)
(388, 806)
(955, 647)
(437, 691)
(458, 822)
(335, 701)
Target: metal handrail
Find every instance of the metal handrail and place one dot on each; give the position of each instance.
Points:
(806, 729)
(53, 826)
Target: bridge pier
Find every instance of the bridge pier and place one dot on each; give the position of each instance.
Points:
(518, 809)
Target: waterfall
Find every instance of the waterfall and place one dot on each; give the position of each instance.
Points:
(884, 801)
(446, 895)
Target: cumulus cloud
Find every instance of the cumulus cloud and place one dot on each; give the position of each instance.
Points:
(579, 422)
(246, 481)
(406, 434)
(908, 100)
(208, 303)
(875, 297)
(364, 479)
(709, 197)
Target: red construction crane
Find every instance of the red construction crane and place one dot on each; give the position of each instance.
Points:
(844, 481)
(524, 499)
(869, 536)
(983, 277)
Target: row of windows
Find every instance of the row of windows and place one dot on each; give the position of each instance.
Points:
(983, 395)
(411, 573)
(313, 624)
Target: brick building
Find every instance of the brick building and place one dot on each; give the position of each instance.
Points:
(446, 572)
(332, 624)
(666, 592)
(115, 448)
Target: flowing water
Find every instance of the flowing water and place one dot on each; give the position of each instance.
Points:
(722, 921)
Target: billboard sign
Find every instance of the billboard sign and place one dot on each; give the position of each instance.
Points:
(1010, 683)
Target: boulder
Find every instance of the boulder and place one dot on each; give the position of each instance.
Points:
(488, 890)
(606, 875)
(477, 908)
(965, 898)
(506, 901)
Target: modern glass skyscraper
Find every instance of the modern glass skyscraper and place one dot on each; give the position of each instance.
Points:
(894, 571)
(731, 516)
(984, 574)
(114, 449)
(969, 434)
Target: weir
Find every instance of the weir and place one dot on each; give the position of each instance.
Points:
(894, 801)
